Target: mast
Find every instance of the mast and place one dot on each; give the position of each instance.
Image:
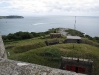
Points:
(75, 24)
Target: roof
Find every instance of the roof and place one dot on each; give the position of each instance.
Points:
(73, 37)
(55, 33)
(75, 59)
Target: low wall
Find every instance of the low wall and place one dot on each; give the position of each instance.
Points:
(11, 67)
(2, 49)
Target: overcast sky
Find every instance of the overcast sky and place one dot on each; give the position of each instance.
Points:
(50, 7)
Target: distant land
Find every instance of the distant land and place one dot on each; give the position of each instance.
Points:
(10, 17)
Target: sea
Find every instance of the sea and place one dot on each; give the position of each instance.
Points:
(86, 24)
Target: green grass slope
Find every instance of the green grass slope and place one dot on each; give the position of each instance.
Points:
(35, 51)
(51, 55)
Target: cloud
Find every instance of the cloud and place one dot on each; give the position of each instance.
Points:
(49, 6)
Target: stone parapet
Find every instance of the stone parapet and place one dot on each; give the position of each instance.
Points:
(11, 67)
(2, 49)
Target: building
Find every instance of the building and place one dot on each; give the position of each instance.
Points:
(55, 35)
(84, 66)
(73, 39)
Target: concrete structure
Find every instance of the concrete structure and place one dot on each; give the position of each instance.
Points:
(2, 50)
(55, 35)
(73, 39)
(77, 65)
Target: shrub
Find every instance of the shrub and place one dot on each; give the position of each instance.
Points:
(53, 54)
(24, 48)
(86, 41)
(75, 32)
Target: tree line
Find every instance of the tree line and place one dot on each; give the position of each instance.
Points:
(25, 35)
(28, 35)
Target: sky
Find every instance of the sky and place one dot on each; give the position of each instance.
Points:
(49, 7)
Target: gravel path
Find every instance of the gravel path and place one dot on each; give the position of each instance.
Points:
(62, 31)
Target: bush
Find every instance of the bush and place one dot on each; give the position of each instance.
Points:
(24, 48)
(86, 41)
(75, 32)
(89, 37)
(53, 54)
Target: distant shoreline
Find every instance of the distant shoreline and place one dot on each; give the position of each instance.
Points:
(10, 17)
(88, 25)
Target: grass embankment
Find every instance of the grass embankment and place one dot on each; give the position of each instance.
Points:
(35, 51)
(51, 55)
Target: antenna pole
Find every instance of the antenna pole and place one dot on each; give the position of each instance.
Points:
(75, 24)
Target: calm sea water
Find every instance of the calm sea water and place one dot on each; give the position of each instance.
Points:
(88, 25)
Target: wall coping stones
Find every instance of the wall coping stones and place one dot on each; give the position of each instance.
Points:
(11, 67)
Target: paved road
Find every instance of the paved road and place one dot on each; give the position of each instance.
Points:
(62, 31)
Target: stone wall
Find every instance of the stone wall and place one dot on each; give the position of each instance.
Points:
(11, 67)
(2, 49)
